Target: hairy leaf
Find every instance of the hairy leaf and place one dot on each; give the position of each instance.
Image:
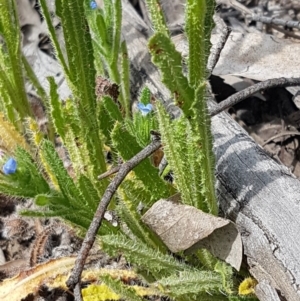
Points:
(56, 109)
(12, 75)
(27, 181)
(10, 138)
(157, 16)
(179, 143)
(54, 39)
(168, 59)
(88, 193)
(128, 147)
(192, 282)
(142, 255)
(195, 30)
(125, 82)
(127, 292)
(128, 213)
(65, 182)
(201, 127)
(112, 108)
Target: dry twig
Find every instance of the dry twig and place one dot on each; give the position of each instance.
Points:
(275, 21)
(74, 279)
(224, 34)
(110, 172)
(287, 33)
(239, 96)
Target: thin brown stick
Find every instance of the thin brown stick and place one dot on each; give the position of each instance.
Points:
(74, 279)
(263, 19)
(282, 134)
(286, 32)
(239, 96)
(275, 21)
(222, 39)
(110, 172)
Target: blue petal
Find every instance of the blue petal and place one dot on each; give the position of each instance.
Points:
(141, 106)
(149, 106)
(10, 166)
(145, 109)
(93, 5)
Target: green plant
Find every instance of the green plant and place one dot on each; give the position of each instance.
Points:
(87, 124)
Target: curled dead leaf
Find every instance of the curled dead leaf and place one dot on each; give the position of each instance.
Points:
(186, 228)
(13, 267)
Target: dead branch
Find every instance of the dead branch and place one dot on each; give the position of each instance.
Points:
(74, 279)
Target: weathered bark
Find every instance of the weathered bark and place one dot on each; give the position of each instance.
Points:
(262, 198)
(259, 195)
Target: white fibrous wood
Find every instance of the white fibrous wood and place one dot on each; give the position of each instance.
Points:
(263, 199)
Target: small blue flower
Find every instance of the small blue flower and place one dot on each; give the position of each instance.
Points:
(10, 166)
(93, 5)
(145, 109)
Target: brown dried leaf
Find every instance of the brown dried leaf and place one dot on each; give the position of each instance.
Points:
(256, 55)
(224, 243)
(252, 55)
(13, 267)
(105, 87)
(186, 228)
